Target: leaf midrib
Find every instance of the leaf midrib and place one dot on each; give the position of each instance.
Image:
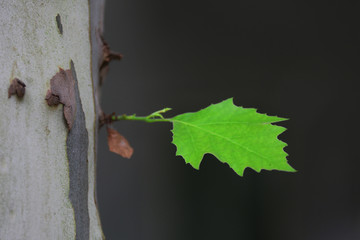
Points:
(223, 123)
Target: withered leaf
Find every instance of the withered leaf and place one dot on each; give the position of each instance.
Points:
(62, 90)
(118, 144)
(16, 87)
(107, 57)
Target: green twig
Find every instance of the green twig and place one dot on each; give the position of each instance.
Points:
(153, 117)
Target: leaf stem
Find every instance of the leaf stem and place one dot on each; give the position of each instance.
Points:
(148, 119)
(153, 117)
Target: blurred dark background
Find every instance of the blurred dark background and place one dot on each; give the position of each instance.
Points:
(295, 59)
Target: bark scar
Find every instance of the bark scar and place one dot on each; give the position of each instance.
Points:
(62, 90)
(77, 144)
(59, 24)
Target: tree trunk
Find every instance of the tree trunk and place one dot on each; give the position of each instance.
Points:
(47, 171)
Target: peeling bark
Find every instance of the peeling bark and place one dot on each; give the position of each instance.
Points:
(62, 90)
(17, 87)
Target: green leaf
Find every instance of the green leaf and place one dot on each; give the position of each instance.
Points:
(235, 135)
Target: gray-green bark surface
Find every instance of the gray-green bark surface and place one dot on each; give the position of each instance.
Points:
(47, 173)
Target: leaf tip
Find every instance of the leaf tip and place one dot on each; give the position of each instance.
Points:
(291, 169)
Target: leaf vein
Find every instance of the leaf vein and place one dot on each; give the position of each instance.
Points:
(227, 139)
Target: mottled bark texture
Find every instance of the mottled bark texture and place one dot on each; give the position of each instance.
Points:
(48, 162)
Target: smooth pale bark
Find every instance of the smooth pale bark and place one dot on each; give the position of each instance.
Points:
(47, 173)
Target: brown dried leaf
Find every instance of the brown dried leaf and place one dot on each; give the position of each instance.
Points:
(107, 57)
(62, 90)
(16, 87)
(118, 144)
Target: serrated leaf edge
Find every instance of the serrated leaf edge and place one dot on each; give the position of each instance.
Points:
(279, 119)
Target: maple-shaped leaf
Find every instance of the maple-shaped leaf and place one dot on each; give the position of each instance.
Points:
(238, 136)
